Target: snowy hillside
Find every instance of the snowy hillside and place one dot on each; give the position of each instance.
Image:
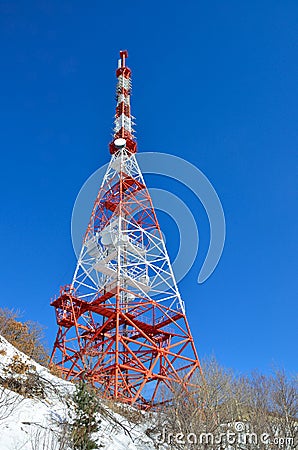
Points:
(32, 421)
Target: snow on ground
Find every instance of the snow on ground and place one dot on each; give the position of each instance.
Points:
(33, 423)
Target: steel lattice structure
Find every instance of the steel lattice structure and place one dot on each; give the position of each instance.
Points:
(121, 322)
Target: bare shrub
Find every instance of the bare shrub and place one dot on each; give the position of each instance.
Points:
(55, 370)
(49, 439)
(207, 413)
(272, 407)
(17, 365)
(25, 336)
(22, 378)
(130, 413)
(9, 401)
(29, 386)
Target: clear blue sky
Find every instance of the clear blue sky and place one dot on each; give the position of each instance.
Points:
(214, 82)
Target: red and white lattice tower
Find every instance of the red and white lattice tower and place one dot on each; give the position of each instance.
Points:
(121, 322)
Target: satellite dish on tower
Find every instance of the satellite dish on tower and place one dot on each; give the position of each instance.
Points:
(120, 142)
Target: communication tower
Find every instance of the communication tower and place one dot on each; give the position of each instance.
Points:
(121, 322)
